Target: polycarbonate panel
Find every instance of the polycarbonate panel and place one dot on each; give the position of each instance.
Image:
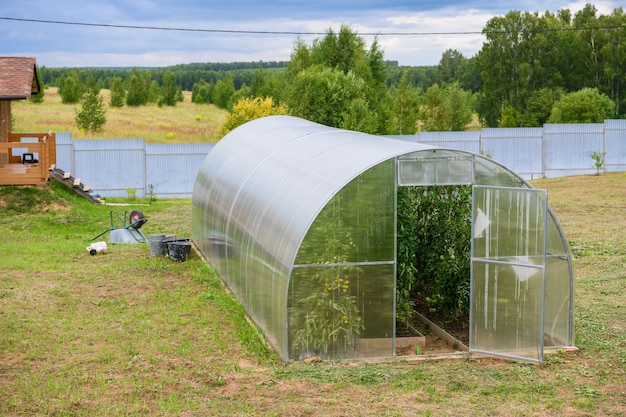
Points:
(559, 304)
(506, 312)
(435, 169)
(489, 172)
(559, 311)
(343, 311)
(509, 222)
(357, 225)
(342, 286)
(508, 272)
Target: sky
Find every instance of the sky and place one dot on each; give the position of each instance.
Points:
(114, 33)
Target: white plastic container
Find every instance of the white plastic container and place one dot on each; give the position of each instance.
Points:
(97, 247)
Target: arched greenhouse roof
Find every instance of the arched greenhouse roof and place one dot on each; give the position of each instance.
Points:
(264, 185)
(283, 170)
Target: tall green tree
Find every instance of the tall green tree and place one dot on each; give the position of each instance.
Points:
(405, 108)
(450, 66)
(170, 89)
(118, 93)
(224, 91)
(72, 88)
(330, 97)
(446, 108)
(538, 107)
(519, 55)
(202, 92)
(469, 78)
(136, 95)
(432, 111)
(152, 88)
(92, 115)
(349, 60)
(275, 86)
(459, 107)
(589, 42)
(613, 54)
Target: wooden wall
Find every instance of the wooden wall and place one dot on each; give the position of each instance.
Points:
(5, 128)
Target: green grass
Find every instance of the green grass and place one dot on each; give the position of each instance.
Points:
(125, 333)
(184, 123)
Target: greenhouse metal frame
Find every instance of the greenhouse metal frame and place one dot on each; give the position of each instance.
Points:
(299, 220)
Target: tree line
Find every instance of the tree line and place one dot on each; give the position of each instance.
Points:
(532, 69)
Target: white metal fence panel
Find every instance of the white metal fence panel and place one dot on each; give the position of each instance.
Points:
(464, 141)
(568, 148)
(615, 145)
(171, 169)
(112, 167)
(517, 148)
(65, 151)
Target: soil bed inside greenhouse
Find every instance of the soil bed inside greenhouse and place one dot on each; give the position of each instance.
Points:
(440, 336)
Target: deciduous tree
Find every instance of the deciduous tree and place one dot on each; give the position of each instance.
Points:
(446, 109)
(348, 70)
(330, 97)
(584, 106)
(405, 108)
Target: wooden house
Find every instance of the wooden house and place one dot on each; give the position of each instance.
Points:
(25, 158)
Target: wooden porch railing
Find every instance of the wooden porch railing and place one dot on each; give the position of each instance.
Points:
(16, 171)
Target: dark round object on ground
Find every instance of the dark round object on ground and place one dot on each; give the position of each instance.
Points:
(136, 219)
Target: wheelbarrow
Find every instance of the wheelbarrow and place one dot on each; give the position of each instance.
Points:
(126, 228)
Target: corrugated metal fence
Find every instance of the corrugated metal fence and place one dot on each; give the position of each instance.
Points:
(555, 150)
(112, 166)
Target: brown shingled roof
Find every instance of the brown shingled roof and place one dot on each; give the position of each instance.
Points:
(18, 78)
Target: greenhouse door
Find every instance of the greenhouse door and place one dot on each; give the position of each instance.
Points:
(507, 289)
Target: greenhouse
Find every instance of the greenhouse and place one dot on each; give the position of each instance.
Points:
(300, 220)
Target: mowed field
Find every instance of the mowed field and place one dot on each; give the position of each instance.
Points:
(184, 123)
(128, 334)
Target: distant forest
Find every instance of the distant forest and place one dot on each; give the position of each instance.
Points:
(186, 75)
(532, 69)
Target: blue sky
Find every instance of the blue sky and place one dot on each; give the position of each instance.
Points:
(72, 45)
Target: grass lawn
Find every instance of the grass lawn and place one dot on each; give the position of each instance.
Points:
(184, 123)
(125, 333)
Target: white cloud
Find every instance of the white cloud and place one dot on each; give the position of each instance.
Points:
(76, 45)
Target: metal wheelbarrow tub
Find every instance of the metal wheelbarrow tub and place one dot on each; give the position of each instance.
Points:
(127, 228)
